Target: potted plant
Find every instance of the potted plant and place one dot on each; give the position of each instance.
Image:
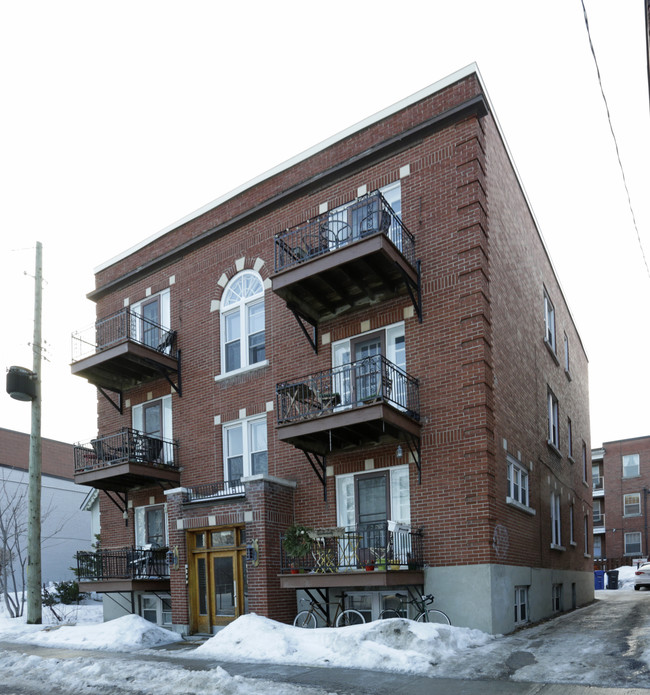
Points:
(297, 542)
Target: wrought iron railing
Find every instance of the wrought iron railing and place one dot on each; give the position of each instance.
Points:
(123, 563)
(380, 546)
(369, 380)
(368, 215)
(126, 445)
(211, 491)
(123, 325)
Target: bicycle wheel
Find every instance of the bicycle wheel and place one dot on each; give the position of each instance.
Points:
(350, 617)
(389, 613)
(305, 619)
(433, 615)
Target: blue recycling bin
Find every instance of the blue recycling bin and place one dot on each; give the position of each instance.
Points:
(599, 579)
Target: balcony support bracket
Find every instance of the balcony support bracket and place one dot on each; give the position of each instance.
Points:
(302, 320)
(116, 404)
(122, 503)
(318, 464)
(165, 374)
(413, 444)
(414, 289)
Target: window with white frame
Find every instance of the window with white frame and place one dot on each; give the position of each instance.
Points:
(156, 608)
(549, 322)
(556, 524)
(154, 420)
(518, 483)
(243, 336)
(631, 466)
(570, 437)
(598, 546)
(632, 542)
(586, 532)
(245, 449)
(556, 598)
(584, 462)
(150, 523)
(150, 320)
(521, 605)
(572, 534)
(599, 517)
(632, 504)
(553, 421)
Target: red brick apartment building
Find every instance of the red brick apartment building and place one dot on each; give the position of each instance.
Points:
(621, 481)
(368, 341)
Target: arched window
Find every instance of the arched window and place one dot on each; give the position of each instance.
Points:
(242, 322)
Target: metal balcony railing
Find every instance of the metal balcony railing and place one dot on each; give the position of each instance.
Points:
(599, 519)
(369, 380)
(125, 446)
(598, 483)
(124, 325)
(211, 491)
(123, 563)
(378, 546)
(368, 215)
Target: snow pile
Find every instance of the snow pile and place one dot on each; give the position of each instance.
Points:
(388, 645)
(123, 634)
(625, 578)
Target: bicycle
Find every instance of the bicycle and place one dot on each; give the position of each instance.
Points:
(342, 617)
(424, 614)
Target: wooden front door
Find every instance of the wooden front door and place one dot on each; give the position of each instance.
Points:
(218, 591)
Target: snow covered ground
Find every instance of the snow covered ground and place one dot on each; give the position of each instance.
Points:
(392, 645)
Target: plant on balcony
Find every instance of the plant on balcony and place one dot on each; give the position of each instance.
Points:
(297, 540)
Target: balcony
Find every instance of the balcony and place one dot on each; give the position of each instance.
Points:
(214, 491)
(381, 554)
(125, 460)
(124, 569)
(124, 350)
(364, 403)
(598, 486)
(346, 259)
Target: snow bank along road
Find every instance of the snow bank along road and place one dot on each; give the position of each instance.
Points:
(606, 645)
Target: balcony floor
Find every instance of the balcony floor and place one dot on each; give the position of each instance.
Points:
(123, 476)
(109, 586)
(361, 578)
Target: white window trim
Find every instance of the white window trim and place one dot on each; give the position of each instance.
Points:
(553, 421)
(549, 323)
(638, 466)
(556, 522)
(632, 494)
(139, 525)
(240, 306)
(159, 607)
(522, 591)
(515, 466)
(165, 313)
(625, 536)
(245, 424)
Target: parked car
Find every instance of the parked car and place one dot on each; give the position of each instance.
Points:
(642, 576)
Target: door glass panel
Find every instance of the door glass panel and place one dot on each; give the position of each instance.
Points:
(224, 586)
(367, 356)
(221, 539)
(202, 585)
(156, 527)
(372, 514)
(150, 324)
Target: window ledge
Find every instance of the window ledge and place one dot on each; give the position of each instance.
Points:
(571, 459)
(518, 505)
(554, 449)
(561, 548)
(243, 370)
(552, 352)
(631, 516)
(573, 544)
(568, 374)
(588, 555)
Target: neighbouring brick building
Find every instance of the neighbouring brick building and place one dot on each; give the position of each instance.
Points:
(621, 480)
(368, 340)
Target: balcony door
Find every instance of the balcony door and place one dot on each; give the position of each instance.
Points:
(367, 352)
(372, 505)
(218, 585)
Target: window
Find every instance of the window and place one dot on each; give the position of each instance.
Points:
(599, 517)
(597, 480)
(517, 483)
(631, 466)
(150, 321)
(570, 437)
(572, 537)
(151, 526)
(553, 421)
(154, 419)
(556, 598)
(566, 353)
(584, 462)
(521, 605)
(632, 504)
(245, 449)
(360, 373)
(598, 546)
(633, 543)
(549, 322)
(242, 322)
(586, 530)
(156, 609)
(556, 526)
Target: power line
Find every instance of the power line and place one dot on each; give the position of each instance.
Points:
(611, 127)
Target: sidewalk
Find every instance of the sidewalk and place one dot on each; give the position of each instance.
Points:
(332, 680)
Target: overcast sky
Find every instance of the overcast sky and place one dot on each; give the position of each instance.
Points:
(119, 118)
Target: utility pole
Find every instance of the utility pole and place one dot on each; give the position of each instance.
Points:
(34, 604)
